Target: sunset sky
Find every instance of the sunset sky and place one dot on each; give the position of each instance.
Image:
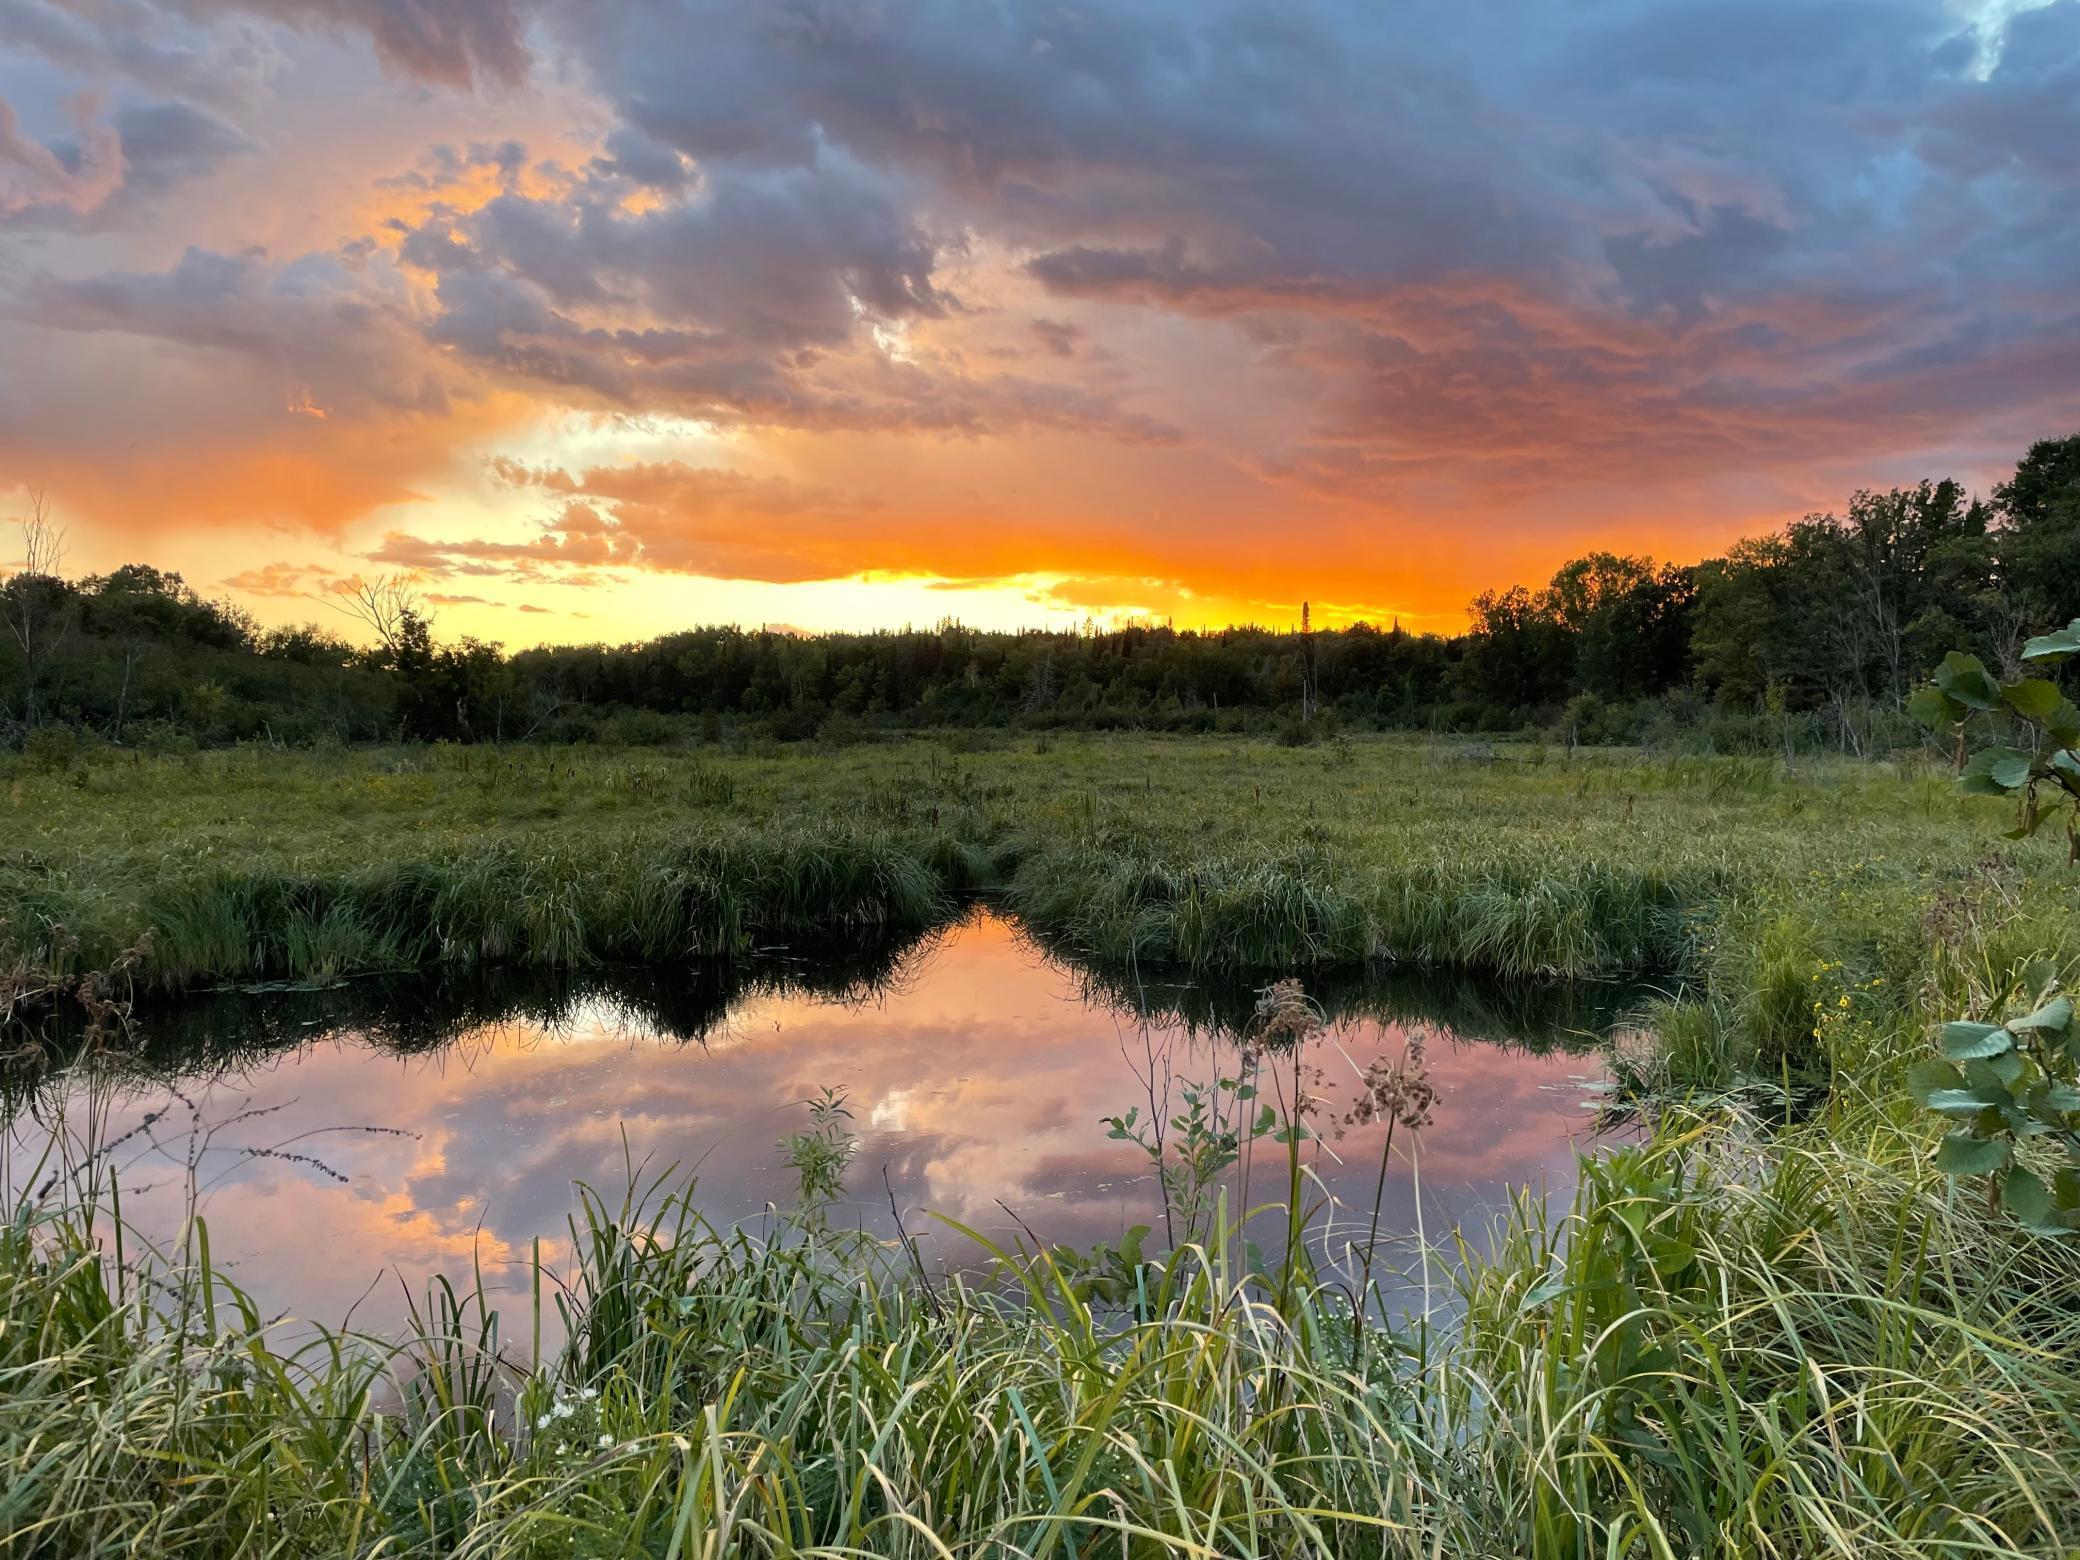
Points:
(607, 318)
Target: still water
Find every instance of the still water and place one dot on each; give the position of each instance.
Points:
(354, 1141)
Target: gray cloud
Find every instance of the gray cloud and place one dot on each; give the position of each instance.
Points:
(455, 42)
(1835, 172)
(166, 143)
(346, 339)
(104, 170)
(165, 50)
(1493, 240)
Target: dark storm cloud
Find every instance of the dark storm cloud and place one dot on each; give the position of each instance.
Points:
(1492, 243)
(782, 260)
(1779, 169)
(2026, 118)
(1262, 133)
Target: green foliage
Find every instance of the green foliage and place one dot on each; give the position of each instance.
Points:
(1722, 1347)
(1202, 1142)
(2012, 1087)
(820, 1156)
(1739, 1340)
(2045, 775)
(1111, 1273)
(2015, 1084)
(1218, 855)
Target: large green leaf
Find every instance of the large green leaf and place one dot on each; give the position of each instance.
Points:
(1929, 1075)
(1995, 771)
(2065, 1190)
(1965, 679)
(2036, 697)
(2053, 1018)
(1934, 708)
(2054, 646)
(1960, 1153)
(2004, 1070)
(1962, 1041)
(2026, 1196)
(1965, 1102)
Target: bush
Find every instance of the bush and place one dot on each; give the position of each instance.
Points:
(50, 750)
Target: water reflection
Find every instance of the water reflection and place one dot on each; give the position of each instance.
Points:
(978, 1069)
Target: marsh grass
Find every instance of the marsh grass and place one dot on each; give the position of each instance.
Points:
(1715, 1350)
(1205, 852)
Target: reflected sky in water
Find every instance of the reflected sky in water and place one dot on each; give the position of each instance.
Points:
(978, 1071)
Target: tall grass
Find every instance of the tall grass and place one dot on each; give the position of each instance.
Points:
(713, 895)
(1516, 914)
(1714, 1351)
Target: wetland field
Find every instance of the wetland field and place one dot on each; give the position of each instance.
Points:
(1072, 1144)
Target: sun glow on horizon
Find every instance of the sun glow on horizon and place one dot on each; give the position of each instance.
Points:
(598, 328)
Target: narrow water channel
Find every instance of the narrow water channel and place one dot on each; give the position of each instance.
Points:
(350, 1138)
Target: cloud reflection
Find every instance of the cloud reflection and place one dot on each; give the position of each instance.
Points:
(978, 1080)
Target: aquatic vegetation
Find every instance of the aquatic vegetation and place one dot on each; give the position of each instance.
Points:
(1725, 882)
(1717, 1349)
(820, 1156)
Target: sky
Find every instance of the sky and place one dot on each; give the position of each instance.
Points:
(600, 319)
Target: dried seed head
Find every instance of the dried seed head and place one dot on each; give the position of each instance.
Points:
(1284, 1014)
(1399, 1090)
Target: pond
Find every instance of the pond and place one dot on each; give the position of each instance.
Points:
(354, 1141)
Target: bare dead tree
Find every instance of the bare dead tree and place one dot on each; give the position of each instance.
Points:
(43, 538)
(35, 597)
(383, 605)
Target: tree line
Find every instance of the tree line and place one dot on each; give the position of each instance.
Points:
(1814, 635)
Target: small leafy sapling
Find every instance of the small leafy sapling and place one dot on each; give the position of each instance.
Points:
(2045, 776)
(821, 1156)
(1205, 1139)
(2019, 1081)
(2005, 1085)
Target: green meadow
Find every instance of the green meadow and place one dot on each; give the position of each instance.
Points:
(1772, 1326)
(1516, 859)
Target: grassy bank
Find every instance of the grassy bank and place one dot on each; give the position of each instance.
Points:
(1515, 860)
(1757, 888)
